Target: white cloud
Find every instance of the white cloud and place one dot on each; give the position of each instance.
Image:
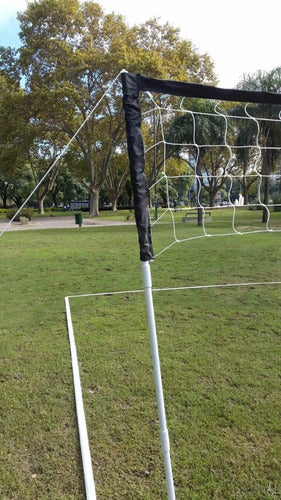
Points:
(9, 9)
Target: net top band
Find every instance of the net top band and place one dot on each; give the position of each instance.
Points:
(137, 82)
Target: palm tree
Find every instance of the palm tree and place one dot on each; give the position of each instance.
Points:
(193, 133)
(269, 132)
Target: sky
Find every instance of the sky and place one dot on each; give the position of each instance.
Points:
(241, 36)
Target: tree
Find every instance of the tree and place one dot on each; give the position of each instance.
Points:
(21, 185)
(4, 191)
(269, 131)
(14, 132)
(9, 66)
(67, 188)
(209, 164)
(70, 53)
(243, 168)
(42, 155)
(63, 67)
(116, 177)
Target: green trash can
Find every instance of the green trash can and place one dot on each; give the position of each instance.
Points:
(79, 219)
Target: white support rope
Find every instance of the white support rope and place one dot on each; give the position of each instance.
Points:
(64, 150)
(220, 285)
(165, 289)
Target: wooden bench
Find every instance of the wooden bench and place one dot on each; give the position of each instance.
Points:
(189, 216)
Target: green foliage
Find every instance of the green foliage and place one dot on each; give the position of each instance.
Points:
(167, 192)
(25, 212)
(277, 202)
(270, 131)
(14, 128)
(69, 53)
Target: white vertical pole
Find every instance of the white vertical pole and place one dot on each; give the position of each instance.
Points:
(81, 419)
(164, 435)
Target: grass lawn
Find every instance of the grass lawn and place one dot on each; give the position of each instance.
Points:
(220, 352)
(119, 215)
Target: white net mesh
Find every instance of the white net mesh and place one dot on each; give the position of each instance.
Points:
(214, 169)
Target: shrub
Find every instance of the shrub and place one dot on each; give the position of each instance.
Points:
(255, 207)
(25, 212)
(277, 202)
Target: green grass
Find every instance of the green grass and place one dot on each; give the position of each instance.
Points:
(220, 353)
(119, 215)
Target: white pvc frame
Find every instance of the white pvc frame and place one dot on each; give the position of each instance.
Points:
(81, 419)
(83, 435)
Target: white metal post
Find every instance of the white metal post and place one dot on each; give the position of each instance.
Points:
(164, 435)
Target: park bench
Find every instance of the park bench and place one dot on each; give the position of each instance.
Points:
(189, 216)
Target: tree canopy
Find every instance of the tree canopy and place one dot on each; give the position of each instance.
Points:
(70, 52)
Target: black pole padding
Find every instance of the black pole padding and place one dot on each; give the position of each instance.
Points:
(137, 163)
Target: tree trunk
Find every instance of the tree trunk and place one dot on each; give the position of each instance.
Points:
(199, 216)
(114, 203)
(266, 198)
(212, 196)
(4, 195)
(4, 200)
(41, 209)
(199, 210)
(245, 194)
(94, 202)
